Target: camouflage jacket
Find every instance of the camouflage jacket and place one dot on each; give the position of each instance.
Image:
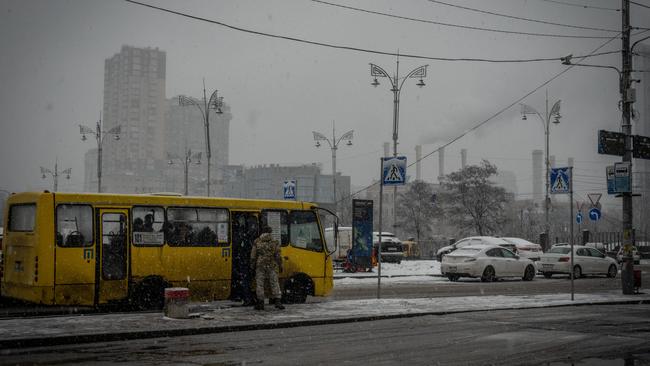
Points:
(266, 252)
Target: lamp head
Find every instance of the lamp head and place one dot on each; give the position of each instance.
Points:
(43, 176)
(557, 119)
(317, 143)
(349, 143)
(83, 138)
(421, 83)
(117, 137)
(375, 83)
(523, 117)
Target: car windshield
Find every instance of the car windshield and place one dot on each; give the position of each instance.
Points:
(560, 250)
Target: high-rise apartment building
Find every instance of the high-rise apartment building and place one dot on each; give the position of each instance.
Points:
(134, 99)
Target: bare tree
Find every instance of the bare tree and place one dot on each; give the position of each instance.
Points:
(416, 209)
(473, 202)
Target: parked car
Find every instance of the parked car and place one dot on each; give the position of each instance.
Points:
(585, 261)
(644, 251)
(487, 261)
(473, 240)
(526, 249)
(391, 251)
(635, 255)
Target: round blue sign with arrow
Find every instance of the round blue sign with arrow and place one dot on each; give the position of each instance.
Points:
(579, 217)
(594, 214)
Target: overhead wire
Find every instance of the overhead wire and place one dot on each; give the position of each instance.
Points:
(582, 6)
(639, 4)
(358, 49)
(458, 25)
(522, 18)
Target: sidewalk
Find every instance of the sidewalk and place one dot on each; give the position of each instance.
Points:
(225, 316)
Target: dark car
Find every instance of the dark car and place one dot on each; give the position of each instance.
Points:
(644, 251)
(391, 251)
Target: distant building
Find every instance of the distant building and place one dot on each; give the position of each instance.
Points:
(185, 131)
(153, 130)
(134, 99)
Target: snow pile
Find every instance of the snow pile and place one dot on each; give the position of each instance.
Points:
(406, 268)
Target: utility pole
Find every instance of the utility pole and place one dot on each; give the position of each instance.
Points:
(627, 98)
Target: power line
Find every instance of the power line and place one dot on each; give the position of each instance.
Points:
(329, 45)
(641, 5)
(522, 18)
(458, 25)
(582, 6)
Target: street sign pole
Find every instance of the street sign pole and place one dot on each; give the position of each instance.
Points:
(571, 220)
(381, 210)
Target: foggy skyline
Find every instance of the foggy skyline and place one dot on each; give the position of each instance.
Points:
(279, 90)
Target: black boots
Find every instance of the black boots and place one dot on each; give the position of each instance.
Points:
(259, 304)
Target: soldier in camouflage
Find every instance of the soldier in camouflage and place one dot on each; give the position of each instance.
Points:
(267, 263)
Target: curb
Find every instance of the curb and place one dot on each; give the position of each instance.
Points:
(109, 337)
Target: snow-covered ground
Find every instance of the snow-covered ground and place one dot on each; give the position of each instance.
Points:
(407, 271)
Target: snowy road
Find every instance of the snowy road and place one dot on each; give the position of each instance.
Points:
(504, 337)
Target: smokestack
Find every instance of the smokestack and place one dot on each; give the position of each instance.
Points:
(418, 167)
(538, 156)
(386, 149)
(551, 161)
(441, 163)
(463, 158)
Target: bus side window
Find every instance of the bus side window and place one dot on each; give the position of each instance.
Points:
(148, 223)
(74, 225)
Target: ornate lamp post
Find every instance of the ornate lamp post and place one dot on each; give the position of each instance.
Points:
(215, 103)
(334, 144)
(99, 136)
(55, 174)
(546, 121)
(186, 161)
(396, 84)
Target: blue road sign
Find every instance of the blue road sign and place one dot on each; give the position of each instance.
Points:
(579, 217)
(289, 189)
(595, 214)
(560, 180)
(393, 171)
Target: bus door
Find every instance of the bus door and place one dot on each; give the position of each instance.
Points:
(245, 229)
(113, 256)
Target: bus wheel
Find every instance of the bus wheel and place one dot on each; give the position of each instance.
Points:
(149, 294)
(296, 290)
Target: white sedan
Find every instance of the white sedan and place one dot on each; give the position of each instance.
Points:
(488, 262)
(586, 260)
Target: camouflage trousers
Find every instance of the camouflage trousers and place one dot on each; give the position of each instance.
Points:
(267, 274)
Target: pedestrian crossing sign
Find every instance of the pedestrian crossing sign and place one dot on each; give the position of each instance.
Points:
(560, 180)
(393, 171)
(289, 189)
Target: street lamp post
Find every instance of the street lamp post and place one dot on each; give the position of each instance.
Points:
(555, 114)
(214, 102)
(186, 160)
(396, 84)
(99, 136)
(55, 174)
(333, 143)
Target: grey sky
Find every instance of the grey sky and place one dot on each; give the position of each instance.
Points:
(52, 64)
